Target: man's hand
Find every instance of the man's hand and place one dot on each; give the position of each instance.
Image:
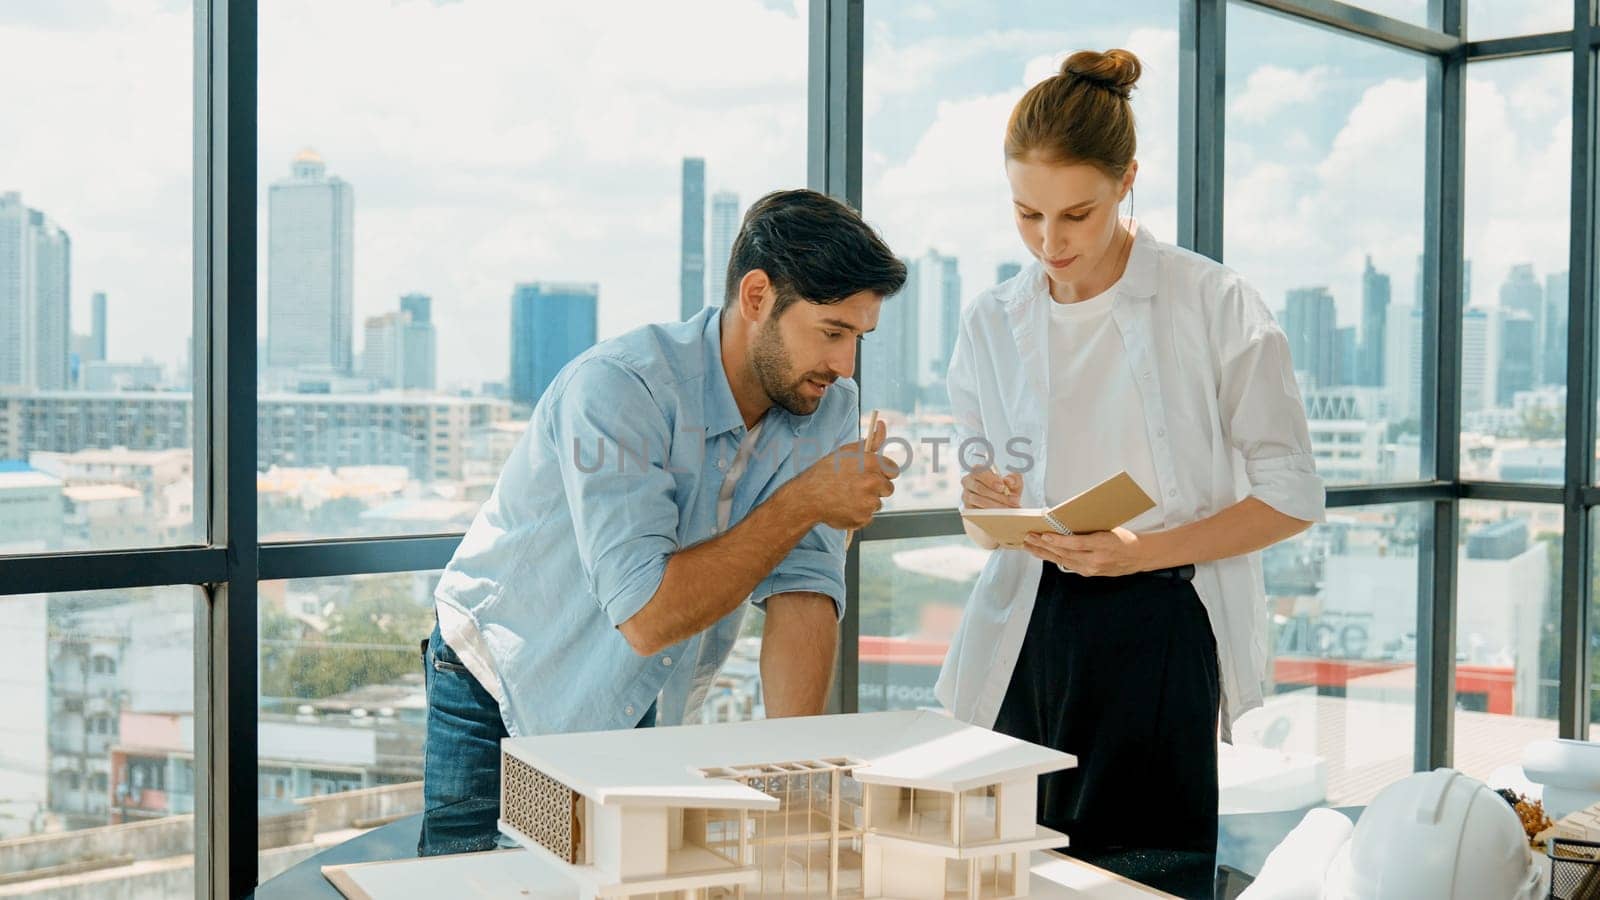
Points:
(845, 489)
(1115, 552)
(985, 489)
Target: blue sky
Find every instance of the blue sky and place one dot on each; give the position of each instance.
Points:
(494, 141)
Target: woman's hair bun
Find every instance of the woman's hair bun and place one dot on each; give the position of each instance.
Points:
(1114, 70)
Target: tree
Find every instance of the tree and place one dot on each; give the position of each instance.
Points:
(372, 637)
(1543, 423)
(892, 597)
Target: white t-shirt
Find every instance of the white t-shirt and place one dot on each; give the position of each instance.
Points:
(1097, 422)
(741, 461)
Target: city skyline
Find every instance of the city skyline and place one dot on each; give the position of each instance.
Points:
(1507, 350)
(148, 273)
(1526, 326)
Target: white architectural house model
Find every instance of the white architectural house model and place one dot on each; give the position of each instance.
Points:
(898, 804)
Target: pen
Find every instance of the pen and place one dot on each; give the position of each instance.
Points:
(866, 447)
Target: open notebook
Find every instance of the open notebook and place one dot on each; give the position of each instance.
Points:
(1113, 502)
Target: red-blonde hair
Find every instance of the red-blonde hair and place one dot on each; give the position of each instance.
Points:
(1079, 115)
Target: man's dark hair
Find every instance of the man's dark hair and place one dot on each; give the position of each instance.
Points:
(814, 248)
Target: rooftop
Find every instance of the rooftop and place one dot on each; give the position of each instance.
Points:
(89, 493)
(17, 479)
(662, 766)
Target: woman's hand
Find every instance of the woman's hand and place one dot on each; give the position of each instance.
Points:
(1115, 552)
(984, 489)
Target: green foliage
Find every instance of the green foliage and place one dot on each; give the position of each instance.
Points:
(892, 597)
(371, 638)
(1544, 423)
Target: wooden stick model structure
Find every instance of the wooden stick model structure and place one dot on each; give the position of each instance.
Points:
(896, 804)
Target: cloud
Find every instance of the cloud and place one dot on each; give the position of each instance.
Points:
(101, 114)
(1519, 140)
(1492, 20)
(1297, 218)
(495, 141)
(1269, 89)
(488, 142)
(893, 67)
(949, 192)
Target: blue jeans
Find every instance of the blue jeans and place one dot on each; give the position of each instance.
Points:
(461, 756)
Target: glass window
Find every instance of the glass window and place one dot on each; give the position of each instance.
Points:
(735, 694)
(1514, 325)
(1593, 642)
(343, 706)
(1511, 18)
(1324, 216)
(96, 277)
(429, 262)
(1508, 646)
(1338, 724)
(1411, 11)
(938, 91)
(90, 748)
(911, 597)
(342, 703)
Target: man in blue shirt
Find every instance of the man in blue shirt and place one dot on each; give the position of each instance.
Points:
(668, 477)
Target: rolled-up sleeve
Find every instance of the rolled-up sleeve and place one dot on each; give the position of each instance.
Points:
(961, 380)
(816, 564)
(1263, 416)
(612, 440)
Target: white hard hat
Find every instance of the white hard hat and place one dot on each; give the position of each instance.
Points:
(1439, 835)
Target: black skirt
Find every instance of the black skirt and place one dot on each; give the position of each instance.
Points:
(1123, 674)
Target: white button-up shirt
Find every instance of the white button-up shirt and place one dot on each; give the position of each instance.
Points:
(1225, 421)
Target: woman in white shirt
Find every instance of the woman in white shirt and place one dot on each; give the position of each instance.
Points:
(1116, 352)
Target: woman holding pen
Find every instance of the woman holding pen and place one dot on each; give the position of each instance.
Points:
(1116, 352)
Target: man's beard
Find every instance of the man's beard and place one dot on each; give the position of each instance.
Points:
(771, 362)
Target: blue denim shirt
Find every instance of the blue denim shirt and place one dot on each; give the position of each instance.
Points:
(620, 468)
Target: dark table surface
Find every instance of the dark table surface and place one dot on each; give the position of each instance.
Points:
(1243, 843)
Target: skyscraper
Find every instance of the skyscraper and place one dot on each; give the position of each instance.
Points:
(1349, 368)
(1553, 343)
(1403, 365)
(692, 252)
(420, 371)
(889, 354)
(419, 306)
(17, 298)
(383, 352)
(35, 290)
(551, 323)
(1477, 381)
(97, 324)
(1518, 342)
(938, 299)
(1006, 271)
(1374, 322)
(1310, 322)
(724, 227)
(310, 273)
(1521, 291)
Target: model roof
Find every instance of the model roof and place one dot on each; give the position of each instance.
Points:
(669, 766)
